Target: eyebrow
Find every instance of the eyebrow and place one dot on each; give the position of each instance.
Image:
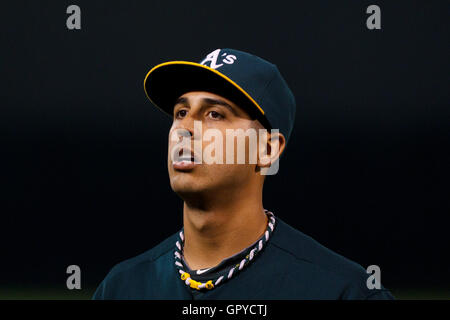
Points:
(218, 102)
(181, 100)
(208, 101)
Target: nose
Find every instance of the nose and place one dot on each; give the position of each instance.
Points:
(189, 126)
(185, 124)
(181, 137)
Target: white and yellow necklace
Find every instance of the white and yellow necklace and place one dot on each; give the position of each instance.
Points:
(211, 284)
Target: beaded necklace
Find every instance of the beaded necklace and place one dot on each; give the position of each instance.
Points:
(211, 284)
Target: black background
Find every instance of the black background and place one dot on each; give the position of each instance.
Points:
(83, 153)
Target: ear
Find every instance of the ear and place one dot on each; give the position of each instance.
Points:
(271, 146)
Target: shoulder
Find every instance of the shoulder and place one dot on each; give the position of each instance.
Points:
(305, 249)
(130, 273)
(149, 256)
(328, 268)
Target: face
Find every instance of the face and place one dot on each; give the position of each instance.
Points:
(219, 114)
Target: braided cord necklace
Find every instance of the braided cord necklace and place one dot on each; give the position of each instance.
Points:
(211, 284)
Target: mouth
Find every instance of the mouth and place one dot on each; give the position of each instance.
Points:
(185, 162)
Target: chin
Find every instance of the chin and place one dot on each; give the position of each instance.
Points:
(183, 183)
(189, 187)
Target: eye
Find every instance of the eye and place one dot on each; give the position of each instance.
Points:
(181, 113)
(215, 115)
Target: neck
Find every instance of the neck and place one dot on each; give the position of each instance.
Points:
(216, 228)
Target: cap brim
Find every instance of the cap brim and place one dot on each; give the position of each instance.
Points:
(166, 82)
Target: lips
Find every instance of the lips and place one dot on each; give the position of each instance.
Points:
(183, 165)
(183, 162)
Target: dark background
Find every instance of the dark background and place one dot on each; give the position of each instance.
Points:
(83, 153)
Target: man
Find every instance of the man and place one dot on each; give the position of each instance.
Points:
(230, 246)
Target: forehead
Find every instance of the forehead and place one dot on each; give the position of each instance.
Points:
(199, 96)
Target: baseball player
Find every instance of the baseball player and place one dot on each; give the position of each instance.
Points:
(230, 246)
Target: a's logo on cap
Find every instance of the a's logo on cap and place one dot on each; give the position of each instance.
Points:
(214, 56)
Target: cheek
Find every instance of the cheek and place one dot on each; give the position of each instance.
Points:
(242, 150)
(239, 146)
